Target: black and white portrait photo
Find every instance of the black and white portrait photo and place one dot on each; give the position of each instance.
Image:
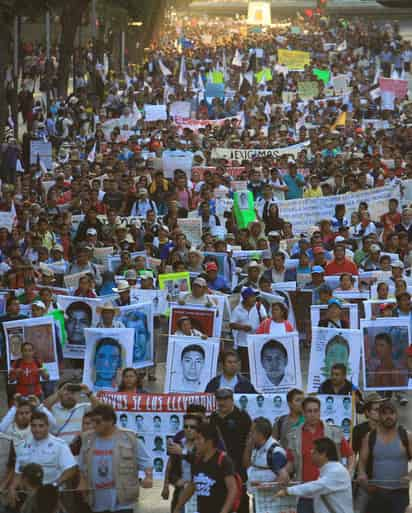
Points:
(191, 363)
(274, 362)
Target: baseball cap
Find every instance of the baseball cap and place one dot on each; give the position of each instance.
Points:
(339, 238)
(248, 292)
(274, 233)
(200, 281)
(375, 248)
(211, 266)
(252, 264)
(335, 301)
(318, 250)
(397, 263)
(39, 304)
(224, 393)
(317, 269)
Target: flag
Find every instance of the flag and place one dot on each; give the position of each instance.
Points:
(340, 121)
(164, 69)
(182, 72)
(92, 154)
(237, 59)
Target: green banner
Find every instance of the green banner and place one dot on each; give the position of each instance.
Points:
(265, 74)
(322, 74)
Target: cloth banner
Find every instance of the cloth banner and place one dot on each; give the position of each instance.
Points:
(294, 59)
(304, 213)
(177, 159)
(249, 154)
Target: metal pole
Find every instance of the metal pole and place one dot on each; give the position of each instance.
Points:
(123, 51)
(94, 20)
(16, 48)
(48, 35)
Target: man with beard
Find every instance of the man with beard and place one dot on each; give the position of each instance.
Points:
(383, 463)
(68, 409)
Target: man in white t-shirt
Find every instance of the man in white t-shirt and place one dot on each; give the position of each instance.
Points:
(244, 321)
(68, 410)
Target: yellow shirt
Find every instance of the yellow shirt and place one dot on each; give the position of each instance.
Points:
(312, 193)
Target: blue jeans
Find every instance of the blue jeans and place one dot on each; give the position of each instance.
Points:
(305, 506)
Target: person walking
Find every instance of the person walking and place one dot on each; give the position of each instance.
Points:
(300, 442)
(383, 463)
(110, 459)
(332, 491)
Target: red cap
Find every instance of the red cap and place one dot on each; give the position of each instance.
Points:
(211, 266)
(317, 250)
(384, 306)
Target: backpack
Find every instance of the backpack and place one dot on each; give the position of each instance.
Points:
(239, 483)
(403, 435)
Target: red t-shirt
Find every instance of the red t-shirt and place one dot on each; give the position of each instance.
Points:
(28, 381)
(309, 471)
(346, 267)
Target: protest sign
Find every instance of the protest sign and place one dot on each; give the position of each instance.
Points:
(349, 313)
(249, 154)
(114, 261)
(157, 298)
(40, 332)
(155, 112)
(196, 124)
(322, 74)
(79, 313)
(192, 228)
(191, 363)
(340, 83)
(288, 96)
(264, 75)
(263, 351)
(108, 351)
(308, 90)
(385, 362)
(7, 220)
(139, 316)
(399, 88)
(174, 284)
(304, 213)
(202, 320)
(330, 346)
(214, 91)
(41, 151)
(180, 109)
(71, 281)
(244, 208)
(58, 316)
(294, 59)
(338, 410)
(259, 13)
(373, 308)
(215, 77)
(177, 159)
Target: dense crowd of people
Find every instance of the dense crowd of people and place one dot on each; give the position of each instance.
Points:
(225, 124)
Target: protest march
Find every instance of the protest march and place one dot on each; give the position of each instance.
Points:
(205, 274)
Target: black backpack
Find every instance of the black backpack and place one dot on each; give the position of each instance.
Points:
(403, 435)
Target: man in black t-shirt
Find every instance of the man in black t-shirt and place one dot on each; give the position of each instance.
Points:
(213, 476)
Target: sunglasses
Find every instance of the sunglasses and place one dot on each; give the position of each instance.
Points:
(190, 426)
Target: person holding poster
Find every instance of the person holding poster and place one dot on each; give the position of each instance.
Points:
(107, 363)
(278, 324)
(387, 374)
(79, 315)
(334, 316)
(108, 312)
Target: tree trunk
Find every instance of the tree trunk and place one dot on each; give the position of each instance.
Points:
(71, 18)
(5, 39)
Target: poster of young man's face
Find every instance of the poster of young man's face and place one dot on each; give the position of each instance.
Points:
(199, 320)
(108, 351)
(140, 318)
(191, 363)
(385, 342)
(79, 314)
(34, 337)
(331, 346)
(274, 362)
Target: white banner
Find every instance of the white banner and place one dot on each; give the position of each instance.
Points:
(155, 113)
(192, 228)
(249, 154)
(304, 213)
(6, 220)
(181, 109)
(177, 159)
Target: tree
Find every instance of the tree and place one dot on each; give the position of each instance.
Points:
(70, 19)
